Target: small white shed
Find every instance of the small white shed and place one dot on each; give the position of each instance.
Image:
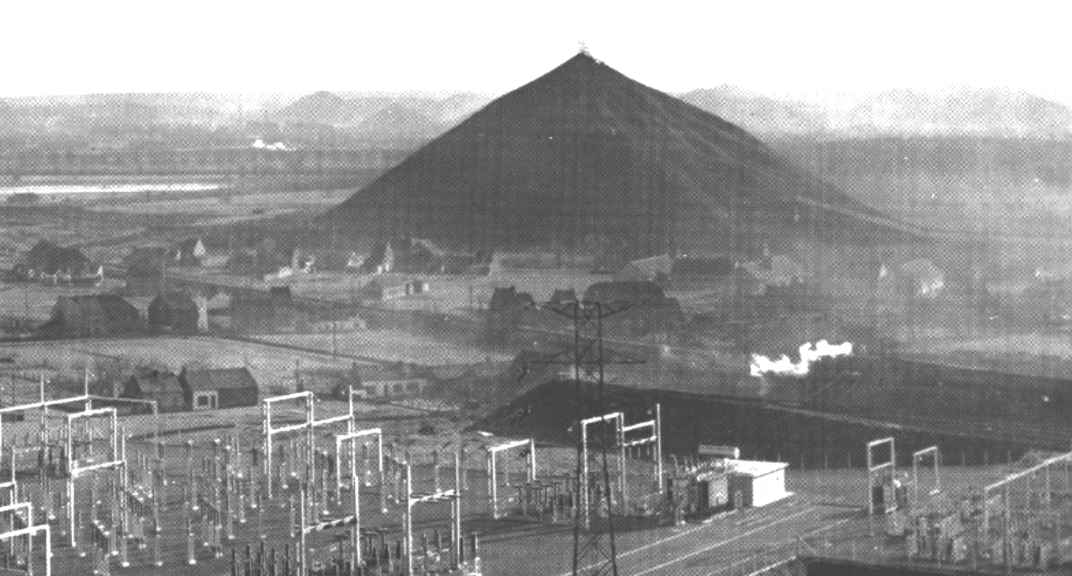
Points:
(755, 483)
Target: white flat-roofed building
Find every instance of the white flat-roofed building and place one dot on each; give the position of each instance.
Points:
(755, 483)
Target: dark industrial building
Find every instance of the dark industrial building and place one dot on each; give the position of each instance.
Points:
(263, 312)
(92, 315)
(174, 312)
(213, 388)
(161, 386)
(145, 270)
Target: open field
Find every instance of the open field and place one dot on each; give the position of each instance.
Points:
(388, 345)
(226, 206)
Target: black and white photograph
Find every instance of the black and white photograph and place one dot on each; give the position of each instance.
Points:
(479, 288)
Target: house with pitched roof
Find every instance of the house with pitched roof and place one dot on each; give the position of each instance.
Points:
(92, 315)
(159, 385)
(217, 388)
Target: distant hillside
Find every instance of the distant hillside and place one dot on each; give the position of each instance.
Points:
(396, 121)
(318, 108)
(991, 112)
(456, 107)
(759, 114)
(984, 185)
(585, 153)
(351, 111)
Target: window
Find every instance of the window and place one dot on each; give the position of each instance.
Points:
(413, 387)
(397, 388)
(205, 400)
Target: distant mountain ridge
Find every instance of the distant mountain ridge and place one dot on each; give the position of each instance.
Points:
(993, 112)
(757, 113)
(990, 112)
(396, 121)
(341, 111)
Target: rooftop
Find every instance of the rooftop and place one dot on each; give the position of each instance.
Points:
(218, 378)
(754, 468)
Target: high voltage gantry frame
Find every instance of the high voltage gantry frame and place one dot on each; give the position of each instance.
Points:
(309, 426)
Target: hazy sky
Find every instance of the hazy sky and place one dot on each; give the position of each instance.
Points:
(790, 48)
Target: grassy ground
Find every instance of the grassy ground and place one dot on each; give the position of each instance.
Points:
(388, 345)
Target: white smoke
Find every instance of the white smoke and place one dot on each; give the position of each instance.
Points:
(809, 354)
(261, 145)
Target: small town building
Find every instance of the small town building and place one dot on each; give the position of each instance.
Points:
(698, 492)
(644, 307)
(777, 271)
(390, 381)
(189, 252)
(920, 278)
(509, 298)
(146, 268)
(354, 261)
(755, 483)
(303, 262)
(175, 312)
(161, 386)
(651, 269)
(386, 288)
(52, 264)
(215, 388)
(679, 272)
(263, 312)
(687, 267)
(92, 315)
(561, 296)
(405, 255)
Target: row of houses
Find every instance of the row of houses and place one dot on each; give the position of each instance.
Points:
(100, 315)
(400, 380)
(411, 255)
(690, 272)
(146, 266)
(52, 264)
(194, 388)
(915, 278)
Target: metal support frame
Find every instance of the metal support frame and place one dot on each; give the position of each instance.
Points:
(353, 519)
(117, 459)
(30, 532)
(918, 457)
(493, 482)
(1004, 484)
(309, 427)
(619, 419)
(352, 437)
(874, 469)
(86, 398)
(453, 496)
(655, 438)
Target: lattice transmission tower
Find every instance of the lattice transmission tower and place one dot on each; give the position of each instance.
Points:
(594, 547)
